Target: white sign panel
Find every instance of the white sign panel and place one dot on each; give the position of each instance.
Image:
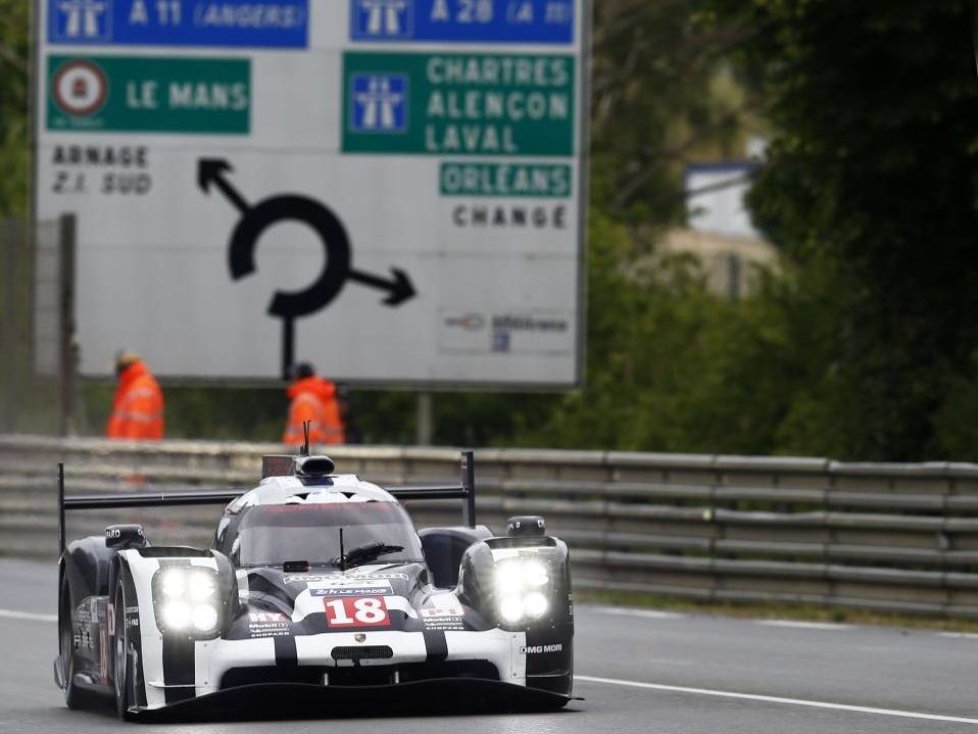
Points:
(390, 189)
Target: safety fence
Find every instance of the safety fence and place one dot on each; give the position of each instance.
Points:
(887, 537)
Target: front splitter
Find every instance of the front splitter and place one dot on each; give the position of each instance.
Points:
(287, 700)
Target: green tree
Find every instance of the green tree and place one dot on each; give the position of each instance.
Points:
(14, 150)
(872, 177)
(661, 95)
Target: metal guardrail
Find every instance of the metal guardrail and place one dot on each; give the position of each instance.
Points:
(887, 537)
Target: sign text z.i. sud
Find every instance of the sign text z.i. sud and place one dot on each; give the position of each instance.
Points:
(470, 21)
(215, 23)
(148, 94)
(458, 104)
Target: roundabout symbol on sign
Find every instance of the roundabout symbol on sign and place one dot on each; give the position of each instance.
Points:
(332, 234)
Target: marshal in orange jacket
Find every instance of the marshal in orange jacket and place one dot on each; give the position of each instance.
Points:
(137, 410)
(313, 399)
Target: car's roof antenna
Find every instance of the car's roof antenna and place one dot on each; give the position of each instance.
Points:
(304, 451)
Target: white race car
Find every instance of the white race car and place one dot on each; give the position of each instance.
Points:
(317, 587)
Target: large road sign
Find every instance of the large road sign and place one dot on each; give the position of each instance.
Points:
(391, 189)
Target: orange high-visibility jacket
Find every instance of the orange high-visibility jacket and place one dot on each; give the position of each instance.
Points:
(314, 400)
(137, 410)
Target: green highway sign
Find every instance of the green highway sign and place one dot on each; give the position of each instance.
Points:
(543, 180)
(459, 104)
(148, 94)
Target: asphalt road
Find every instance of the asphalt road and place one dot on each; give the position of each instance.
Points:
(638, 671)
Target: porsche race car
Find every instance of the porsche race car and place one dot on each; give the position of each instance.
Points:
(316, 584)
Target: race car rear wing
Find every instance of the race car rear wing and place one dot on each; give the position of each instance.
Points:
(465, 490)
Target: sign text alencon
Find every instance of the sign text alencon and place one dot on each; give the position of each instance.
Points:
(459, 104)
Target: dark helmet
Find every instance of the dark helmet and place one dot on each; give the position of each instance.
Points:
(301, 370)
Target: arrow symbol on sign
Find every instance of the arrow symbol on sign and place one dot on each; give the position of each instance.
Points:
(332, 234)
(401, 288)
(211, 170)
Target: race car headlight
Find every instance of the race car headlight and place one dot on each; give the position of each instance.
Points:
(186, 600)
(511, 609)
(521, 586)
(201, 585)
(173, 583)
(175, 615)
(535, 605)
(205, 617)
(521, 575)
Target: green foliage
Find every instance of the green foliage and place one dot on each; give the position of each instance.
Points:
(14, 151)
(957, 417)
(673, 367)
(661, 93)
(872, 179)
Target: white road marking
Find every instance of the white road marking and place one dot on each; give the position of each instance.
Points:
(11, 614)
(804, 625)
(959, 635)
(777, 699)
(647, 613)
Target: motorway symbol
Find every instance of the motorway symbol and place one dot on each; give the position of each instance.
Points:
(80, 20)
(294, 207)
(383, 18)
(379, 102)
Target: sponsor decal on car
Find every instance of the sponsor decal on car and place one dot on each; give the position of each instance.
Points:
(84, 640)
(455, 611)
(542, 649)
(267, 624)
(321, 580)
(353, 587)
(446, 618)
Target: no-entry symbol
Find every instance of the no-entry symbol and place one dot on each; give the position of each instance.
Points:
(332, 234)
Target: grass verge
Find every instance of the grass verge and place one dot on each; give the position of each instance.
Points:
(772, 610)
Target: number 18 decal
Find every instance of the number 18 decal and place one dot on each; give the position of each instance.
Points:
(364, 611)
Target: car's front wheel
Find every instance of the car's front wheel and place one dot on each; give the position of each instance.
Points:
(124, 666)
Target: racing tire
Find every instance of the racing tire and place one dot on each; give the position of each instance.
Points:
(76, 698)
(124, 670)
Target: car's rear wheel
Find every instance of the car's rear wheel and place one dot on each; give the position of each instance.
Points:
(75, 697)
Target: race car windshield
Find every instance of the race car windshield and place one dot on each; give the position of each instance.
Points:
(274, 534)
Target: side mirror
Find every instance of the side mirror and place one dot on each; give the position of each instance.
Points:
(525, 526)
(119, 537)
(276, 465)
